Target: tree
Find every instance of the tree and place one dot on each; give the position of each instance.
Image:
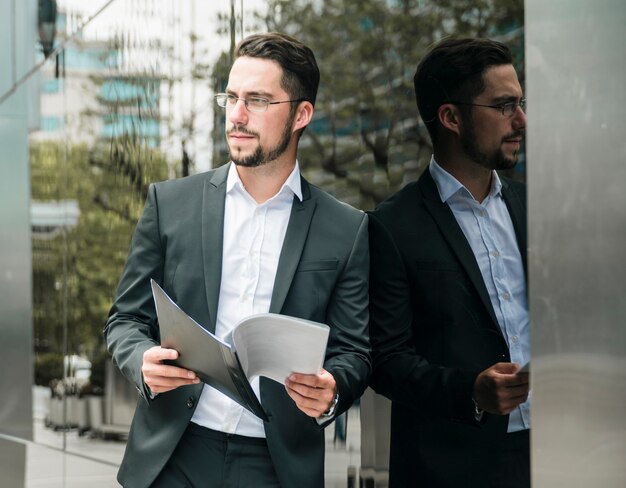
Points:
(75, 272)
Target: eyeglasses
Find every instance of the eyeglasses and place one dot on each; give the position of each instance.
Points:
(507, 108)
(254, 104)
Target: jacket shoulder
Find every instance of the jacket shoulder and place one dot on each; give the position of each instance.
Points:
(515, 187)
(329, 203)
(179, 190)
(186, 182)
(407, 197)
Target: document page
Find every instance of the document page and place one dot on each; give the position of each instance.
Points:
(275, 346)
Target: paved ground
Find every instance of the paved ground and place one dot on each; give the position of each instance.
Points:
(67, 460)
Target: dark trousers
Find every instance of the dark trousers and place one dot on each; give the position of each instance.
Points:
(205, 458)
(512, 469)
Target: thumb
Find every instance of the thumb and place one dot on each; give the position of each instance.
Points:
(506, 368)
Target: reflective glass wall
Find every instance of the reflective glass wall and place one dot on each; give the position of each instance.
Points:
(124, 99)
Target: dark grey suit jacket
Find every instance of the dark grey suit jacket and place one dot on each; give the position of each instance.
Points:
(322, 275)
(433, 329)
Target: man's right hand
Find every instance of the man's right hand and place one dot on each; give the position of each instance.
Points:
(499, 389)
(162, 377)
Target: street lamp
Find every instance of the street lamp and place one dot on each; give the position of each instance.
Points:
(46, 25)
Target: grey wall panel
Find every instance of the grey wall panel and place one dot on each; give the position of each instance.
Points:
(576, 87)
(16, 375)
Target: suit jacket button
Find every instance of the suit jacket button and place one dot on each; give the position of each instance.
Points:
(190, 402)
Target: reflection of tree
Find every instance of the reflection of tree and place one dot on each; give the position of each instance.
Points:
(75, 273)
(366, 141)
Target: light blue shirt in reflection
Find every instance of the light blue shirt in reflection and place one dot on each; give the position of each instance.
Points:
(489, 231)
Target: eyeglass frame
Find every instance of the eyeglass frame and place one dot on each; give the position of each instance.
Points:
(227, 96)
(502, 106)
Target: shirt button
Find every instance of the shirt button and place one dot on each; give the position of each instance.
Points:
(515, 339)
(506, 296)
(495, 254)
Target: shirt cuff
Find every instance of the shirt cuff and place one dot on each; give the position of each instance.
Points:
(478, 412)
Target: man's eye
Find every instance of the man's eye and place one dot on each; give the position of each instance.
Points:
(231, 100)
(257, 101)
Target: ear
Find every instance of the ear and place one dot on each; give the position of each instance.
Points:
(450, 117)
(304, 114)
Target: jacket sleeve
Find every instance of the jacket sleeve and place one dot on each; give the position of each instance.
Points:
(132, 326)
(348, 358)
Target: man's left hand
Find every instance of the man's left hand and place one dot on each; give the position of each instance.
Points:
(313, 393)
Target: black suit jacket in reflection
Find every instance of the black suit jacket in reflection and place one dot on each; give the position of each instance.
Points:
(433, 329)
(322, 275)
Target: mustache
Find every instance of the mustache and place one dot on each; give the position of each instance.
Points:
(517, 134)
(240, 129)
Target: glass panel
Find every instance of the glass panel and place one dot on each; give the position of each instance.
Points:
(126, 102)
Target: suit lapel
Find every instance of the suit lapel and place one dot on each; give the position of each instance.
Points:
(213, 201)
(517, 211)
(295, 238)
(453, 234)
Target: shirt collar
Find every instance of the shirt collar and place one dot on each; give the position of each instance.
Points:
(291, 184)
(448, 185)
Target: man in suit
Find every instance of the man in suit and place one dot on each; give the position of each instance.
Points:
(449, 319)
(252, 236)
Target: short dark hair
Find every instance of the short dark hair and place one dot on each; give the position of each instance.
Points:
(453, 70)
(301, 76)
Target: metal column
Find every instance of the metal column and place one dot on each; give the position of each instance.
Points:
(575, 80)
(17, 53)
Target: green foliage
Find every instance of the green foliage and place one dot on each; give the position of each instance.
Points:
(75, 272)
(48, 367)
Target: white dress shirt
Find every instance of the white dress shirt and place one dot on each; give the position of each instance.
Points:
(253, 239)
(489, 231)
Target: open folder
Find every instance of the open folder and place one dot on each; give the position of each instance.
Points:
(267, 344)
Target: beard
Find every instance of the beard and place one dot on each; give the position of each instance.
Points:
(262, 156)
(495, 159)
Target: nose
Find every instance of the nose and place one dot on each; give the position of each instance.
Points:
(519, 118)
(238, 113)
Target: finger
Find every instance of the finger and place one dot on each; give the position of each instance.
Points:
(504, 401)
(157, 353)
(310, 380)
(510, 405)
(311, 407)
(163, 388)
(159, 384)
(169, 371)
(505, 368)
(161, 377)
(501, 381)
(512, 381)
(507, 393)
(323, 380)
(304, 390)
